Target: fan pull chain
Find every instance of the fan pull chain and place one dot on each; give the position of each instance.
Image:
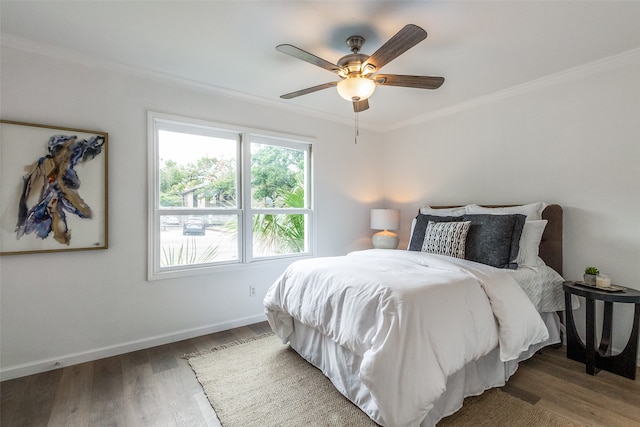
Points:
(356, 131)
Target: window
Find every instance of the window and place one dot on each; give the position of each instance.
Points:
(223, 196)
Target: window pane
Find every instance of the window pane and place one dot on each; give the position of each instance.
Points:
(196, 170)
(197, 239)
(279, 234)
(277, 177)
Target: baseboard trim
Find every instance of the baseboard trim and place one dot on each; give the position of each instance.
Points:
(43, 365)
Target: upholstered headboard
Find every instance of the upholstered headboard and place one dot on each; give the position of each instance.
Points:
(551, 244)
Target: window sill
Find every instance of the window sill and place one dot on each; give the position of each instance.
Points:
(224, 267)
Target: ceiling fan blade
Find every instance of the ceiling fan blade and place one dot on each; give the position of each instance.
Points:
(420, 82)
(359, 106)
(409, 36)
(308, 57)
(308, 90)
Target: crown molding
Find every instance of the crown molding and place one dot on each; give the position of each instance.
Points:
(599, 66)
(56, 52)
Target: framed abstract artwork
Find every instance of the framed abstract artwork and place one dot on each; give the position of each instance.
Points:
(53, 189)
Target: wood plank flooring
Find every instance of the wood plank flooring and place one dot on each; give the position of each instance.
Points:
(156, 387)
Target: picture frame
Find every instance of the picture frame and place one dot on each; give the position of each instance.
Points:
(53, 188)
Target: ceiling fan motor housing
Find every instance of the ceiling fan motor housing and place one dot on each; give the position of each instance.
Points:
(353, 62)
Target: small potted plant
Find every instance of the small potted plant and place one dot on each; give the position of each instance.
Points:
(590, 274)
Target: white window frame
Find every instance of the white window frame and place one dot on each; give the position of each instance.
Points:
(245, 136)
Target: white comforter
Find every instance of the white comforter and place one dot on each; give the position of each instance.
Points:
(414, 318)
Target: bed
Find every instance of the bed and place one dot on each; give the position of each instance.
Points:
(406, 335)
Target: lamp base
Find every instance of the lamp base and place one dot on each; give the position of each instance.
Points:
(385, 240)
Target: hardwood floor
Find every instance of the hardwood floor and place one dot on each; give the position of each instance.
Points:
(153, 387)
(551, 381)
(156, 387)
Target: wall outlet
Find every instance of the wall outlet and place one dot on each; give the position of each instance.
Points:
(252, 290)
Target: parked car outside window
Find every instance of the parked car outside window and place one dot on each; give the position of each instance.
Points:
(194, 226)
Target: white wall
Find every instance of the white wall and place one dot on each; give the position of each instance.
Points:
(571, 140)
(71, 307)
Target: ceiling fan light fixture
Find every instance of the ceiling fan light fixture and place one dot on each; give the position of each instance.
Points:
(356, 88)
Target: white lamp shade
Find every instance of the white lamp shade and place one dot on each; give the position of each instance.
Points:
(385, 219)
(356, 88)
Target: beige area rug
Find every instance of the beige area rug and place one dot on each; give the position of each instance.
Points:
(262, 382)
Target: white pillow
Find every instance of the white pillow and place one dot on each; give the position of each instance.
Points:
(530, 243)
(533, 211)
(446, 238)
(427, 210)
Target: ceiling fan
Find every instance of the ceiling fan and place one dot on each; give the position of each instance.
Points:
(357, 70)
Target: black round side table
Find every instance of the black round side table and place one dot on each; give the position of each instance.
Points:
(599, 358)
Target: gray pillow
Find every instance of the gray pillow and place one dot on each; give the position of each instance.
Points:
(494, 239)
(422, 220)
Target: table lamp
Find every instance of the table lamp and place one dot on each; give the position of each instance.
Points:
(385, 219)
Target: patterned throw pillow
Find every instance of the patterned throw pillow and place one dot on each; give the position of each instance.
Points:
(420, 228)
(446, 238)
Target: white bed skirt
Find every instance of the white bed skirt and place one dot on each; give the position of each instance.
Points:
(342, 367)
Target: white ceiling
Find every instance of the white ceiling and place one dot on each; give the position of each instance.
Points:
(480, 47)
